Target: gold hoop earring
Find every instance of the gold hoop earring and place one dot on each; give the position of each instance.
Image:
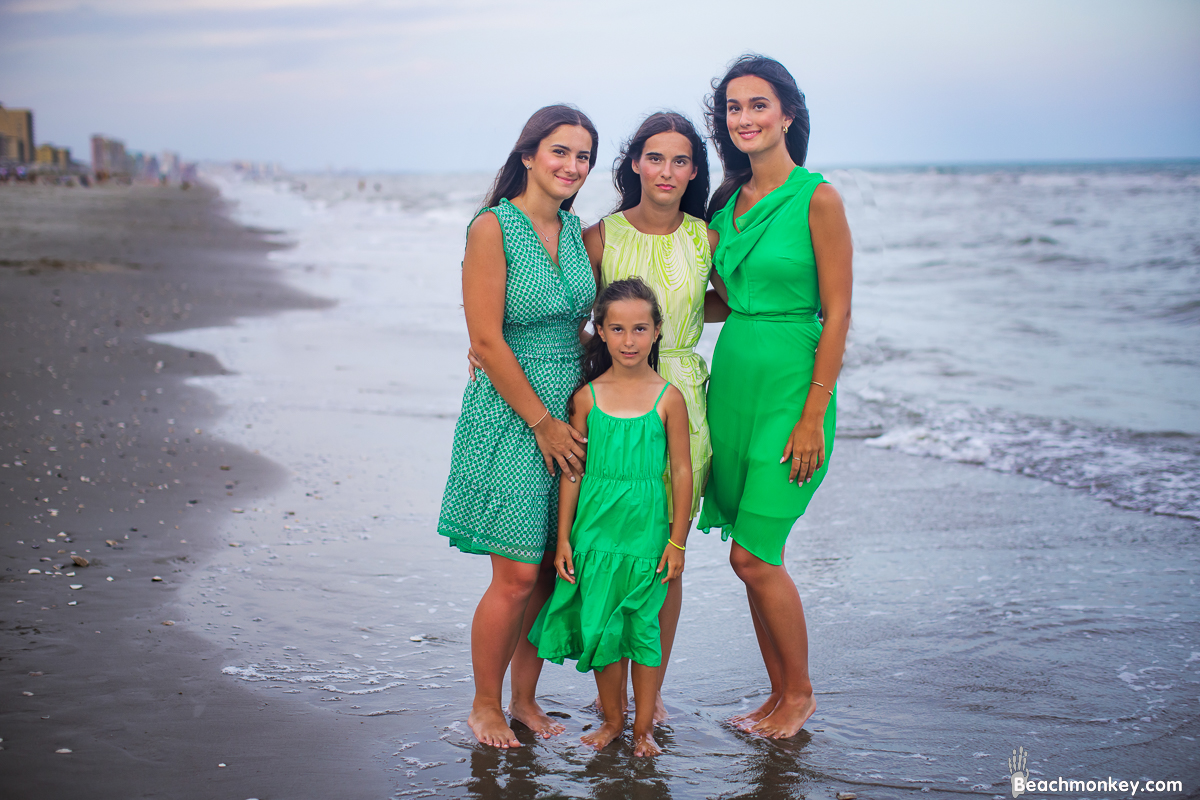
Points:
(785, 129)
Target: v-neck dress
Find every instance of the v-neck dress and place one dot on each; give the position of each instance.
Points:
(762, 368)
(617, 541)
(499, 497)
(676, 267)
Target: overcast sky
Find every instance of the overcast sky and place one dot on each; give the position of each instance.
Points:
(446, 85)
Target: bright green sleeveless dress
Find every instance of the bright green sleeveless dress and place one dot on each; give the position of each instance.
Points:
(620, 530)
(762, 368)
(499, 498)
(676, 267)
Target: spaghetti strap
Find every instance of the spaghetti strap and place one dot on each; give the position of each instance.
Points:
(660, 394)
(592, 389)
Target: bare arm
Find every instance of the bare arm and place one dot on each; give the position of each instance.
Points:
(568, 496)
(716, 300)
(835, 254)
(593, 242)
(679, 447)
(485, 275)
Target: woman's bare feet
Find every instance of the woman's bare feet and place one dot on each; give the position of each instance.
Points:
(644, 744)
(491, 728)
(531, 715)
(602, 737)
(745, 721)
(660, 710)
(787, 718)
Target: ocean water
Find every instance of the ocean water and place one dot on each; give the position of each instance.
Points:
(955, 612)
(1040, 320)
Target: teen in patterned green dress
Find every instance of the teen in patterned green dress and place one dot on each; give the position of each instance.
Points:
(527, 289)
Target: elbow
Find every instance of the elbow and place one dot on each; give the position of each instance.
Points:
(487, 346)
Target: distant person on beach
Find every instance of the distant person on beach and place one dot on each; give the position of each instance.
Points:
(784, 257)
(657, 233)
(527, 291)
(617, 551)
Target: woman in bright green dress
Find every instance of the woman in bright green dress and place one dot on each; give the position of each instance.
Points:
(658, 234)
(527, 290)
(784, 257)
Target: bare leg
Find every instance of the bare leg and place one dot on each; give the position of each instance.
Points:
(773, 595)
(527, 667)
(645, 689)
(610, 683)
(774, 664)
(668, 622)
(596, 704)
(494, 633)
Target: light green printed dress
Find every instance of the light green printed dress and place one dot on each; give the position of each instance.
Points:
(676, 267)
(499, 497)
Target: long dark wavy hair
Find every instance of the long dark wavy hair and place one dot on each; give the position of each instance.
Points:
(629, 183)
(596, 358)
(735, 162)
(510, 180)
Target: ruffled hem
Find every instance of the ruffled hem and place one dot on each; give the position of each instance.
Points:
(517, 526)
(609, 613)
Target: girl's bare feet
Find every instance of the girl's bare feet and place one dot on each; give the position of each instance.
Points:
(532, 716)
(602, 737)
(745, 721)
(491, 728)
(644, 744)
(787, 718)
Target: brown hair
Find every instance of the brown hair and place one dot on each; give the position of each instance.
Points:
(510, 180)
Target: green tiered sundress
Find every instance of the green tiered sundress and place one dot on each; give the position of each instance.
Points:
(617, 541)
(499, 498)
(762, 368)
(676, 267)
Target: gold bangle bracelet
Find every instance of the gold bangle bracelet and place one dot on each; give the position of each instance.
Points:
(539, 422)
(672, 541)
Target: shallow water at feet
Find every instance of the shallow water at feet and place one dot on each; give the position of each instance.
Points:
(954, 613)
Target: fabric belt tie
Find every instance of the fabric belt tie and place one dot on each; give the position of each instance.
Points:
(805, 317)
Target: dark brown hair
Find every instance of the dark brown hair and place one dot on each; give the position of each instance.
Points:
(596, 358)
(510, 180)
(735, 162)
(629, 183)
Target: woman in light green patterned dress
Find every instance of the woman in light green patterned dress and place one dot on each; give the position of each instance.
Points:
(527, 290)
(658, 234)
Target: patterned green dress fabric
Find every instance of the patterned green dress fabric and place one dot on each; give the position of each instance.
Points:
(676, 267)
(762, 368)
(620, 530)
(499, 498)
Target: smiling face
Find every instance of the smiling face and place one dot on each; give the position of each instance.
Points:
(666, 167)
(629, 331)
(561, 162)
(754, 115)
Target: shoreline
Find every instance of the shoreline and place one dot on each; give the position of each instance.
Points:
(88, 274)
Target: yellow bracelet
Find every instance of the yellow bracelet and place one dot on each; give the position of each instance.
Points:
(672, 541)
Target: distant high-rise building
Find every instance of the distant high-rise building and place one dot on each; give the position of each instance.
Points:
(53, 156)
(16, 135)
(168, 165)
(109, 159)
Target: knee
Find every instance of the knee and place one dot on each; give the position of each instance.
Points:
(517, 584)
(746, 565)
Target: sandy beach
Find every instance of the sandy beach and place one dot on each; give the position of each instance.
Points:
(288, 405)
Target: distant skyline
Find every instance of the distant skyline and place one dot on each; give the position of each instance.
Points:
(446, 85)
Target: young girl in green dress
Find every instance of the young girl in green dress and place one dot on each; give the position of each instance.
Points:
(616, 549)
